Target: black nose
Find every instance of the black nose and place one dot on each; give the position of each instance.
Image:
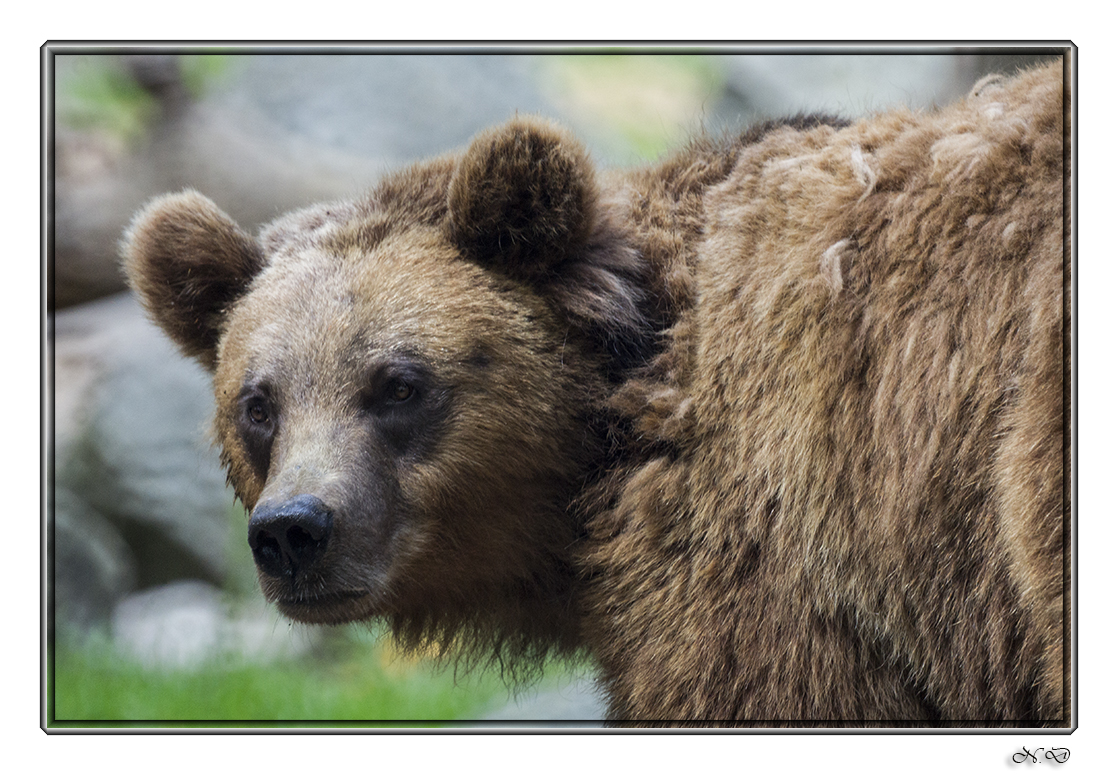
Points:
(289, 537)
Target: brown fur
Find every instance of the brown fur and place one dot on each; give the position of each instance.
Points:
(774, 429)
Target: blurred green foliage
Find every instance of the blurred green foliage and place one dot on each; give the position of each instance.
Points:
(651, 100)
(199, 71)
(95, 92)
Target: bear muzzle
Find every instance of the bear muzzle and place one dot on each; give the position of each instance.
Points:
(290, 537)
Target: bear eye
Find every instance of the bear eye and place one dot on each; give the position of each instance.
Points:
(258, 413)
(400, 391)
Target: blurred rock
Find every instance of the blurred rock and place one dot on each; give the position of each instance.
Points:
(140, 498)
(187, 623)
(980, 65)
(97, 187)
(175, 625)
(772, 86)
(850, 85)
(93, 566)
(392, 108)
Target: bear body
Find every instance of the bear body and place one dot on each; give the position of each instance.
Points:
(775, 430)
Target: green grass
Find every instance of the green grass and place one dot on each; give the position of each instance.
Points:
(95, 686)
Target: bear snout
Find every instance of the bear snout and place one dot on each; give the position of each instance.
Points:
(289, 537)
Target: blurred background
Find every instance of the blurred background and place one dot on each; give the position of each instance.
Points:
(156, 618)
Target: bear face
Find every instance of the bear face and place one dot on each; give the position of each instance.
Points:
(385, 392)
(404, 384)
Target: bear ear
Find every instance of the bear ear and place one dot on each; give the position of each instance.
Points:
(522, 198)
(188, 262)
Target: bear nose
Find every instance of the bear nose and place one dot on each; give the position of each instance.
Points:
(289, 537)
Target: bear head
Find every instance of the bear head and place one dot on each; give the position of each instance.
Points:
(407, 384)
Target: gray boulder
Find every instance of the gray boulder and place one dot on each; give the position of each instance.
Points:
(93, 566)
(139, 497)
(391, 108)
(189, 623)
(851, 85)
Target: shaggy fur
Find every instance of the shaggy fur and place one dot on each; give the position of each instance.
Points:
(774, 429)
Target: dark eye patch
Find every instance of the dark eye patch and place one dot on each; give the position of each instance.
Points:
(407, 404)
(257, 418)
(391, 384)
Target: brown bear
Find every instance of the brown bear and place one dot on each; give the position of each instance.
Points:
(776, 430)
